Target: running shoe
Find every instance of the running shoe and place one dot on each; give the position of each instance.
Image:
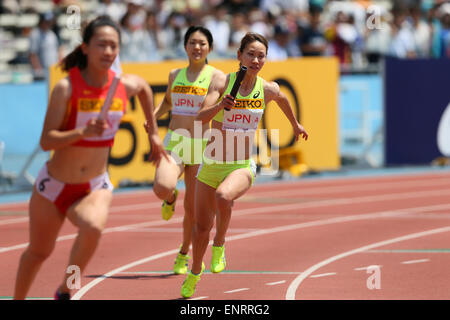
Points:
(188, 288)
(181, 264)
(62, 295)
(218, 262)
(167, 210)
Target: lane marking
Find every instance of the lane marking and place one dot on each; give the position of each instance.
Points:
(265, 209)
(323, 275)
(415, 261)
(199, 298)
(374, 215)
(290, 294)
(411, 251)
(359, 187)
(254, 193)
(365, 268)
(237, 290)
(275, 283)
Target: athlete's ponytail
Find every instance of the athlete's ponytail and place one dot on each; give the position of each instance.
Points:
(77, 58)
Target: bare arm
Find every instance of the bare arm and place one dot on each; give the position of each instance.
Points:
(272, 92)
(52, 136)
(166, 103)
(136, 85)
(210, 107)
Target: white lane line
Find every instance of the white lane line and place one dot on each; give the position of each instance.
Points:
(318, 190)
(180, 230)
(368, 267)
(237, 290)
(415, 261)
(275, 283)
(323, 275)
(12, 221)
(199, 298)
(283, 207)
(378, 214)
(290, 294)
(360, 187)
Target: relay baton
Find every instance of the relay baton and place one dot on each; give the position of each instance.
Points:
(112, 89)
(240, 76)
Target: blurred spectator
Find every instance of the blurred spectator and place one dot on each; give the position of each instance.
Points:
(296, 7)
(258, 22)
(44, 46)
(342, 35)
(220, 29)
(152, 41)
(421, 32)
(137, 14)
(311, 37)
(377, 39)
(277, 45)
(243, 6)
(444, 35)
(113, 8)
(172, 36)
(402, 43)
(239, 27)
(134, 46)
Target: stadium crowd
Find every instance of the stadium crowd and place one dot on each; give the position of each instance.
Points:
(358, 32)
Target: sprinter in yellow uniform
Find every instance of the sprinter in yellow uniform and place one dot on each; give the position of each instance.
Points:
(227, 171)
(184, 141)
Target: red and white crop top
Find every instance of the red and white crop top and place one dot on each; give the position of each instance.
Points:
(86, 102)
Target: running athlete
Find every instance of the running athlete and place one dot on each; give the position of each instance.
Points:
(185, 93)
(228, 171)
(74, 183)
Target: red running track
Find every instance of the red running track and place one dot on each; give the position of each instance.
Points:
(309, 239)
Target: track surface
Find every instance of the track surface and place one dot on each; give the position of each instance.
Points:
(309, 239)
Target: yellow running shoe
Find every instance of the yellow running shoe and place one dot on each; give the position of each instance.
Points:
(167, 210)
(218, 262)
(181, 264)
(188, 288)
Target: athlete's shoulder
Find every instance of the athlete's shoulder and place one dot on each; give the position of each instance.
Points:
(271, 89)
(63, 87)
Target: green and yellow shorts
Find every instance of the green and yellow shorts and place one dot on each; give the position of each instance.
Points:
(213, 172)
(188, 151)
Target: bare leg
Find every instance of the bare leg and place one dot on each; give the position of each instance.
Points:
(233, 187)
(89, 215)
(205, 207)
(166, 177)
(189, 200)
(45, 223)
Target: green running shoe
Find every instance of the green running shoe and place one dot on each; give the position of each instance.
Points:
(167, 210)
(181, 264)
(188, 288)
(218, 262)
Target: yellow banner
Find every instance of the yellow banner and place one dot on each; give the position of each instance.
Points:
(311, 85)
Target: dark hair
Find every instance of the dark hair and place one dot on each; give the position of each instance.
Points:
(201, 29)
(77, 58)
(251, 37)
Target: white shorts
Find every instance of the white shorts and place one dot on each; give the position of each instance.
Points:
(63, 195)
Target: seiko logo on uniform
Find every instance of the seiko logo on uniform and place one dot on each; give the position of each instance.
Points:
(190, 90)
(248, 104)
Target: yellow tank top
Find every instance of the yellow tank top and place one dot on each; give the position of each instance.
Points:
(187, 97)
(247, 111)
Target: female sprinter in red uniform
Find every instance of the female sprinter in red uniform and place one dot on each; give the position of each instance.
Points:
(74, 183)
(230, 172)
